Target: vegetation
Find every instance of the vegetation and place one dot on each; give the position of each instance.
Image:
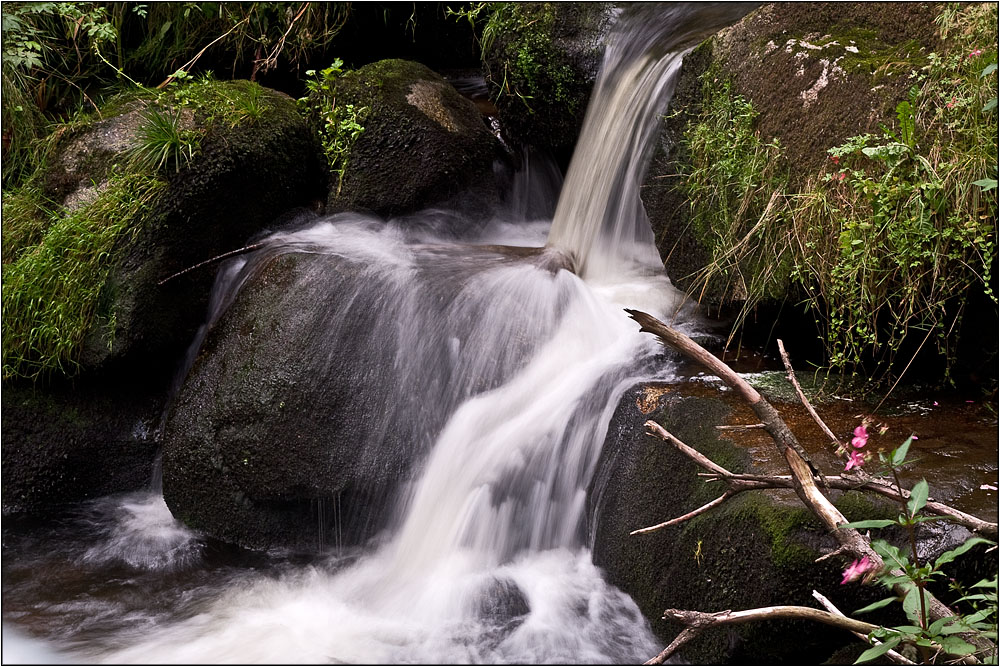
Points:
(887, 243)
(53, 283)
(339, 125)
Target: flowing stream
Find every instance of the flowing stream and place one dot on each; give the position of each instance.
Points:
(486, 555)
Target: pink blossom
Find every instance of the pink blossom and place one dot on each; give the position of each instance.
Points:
(841, 176)
(976, 52)
(860, 437)
(856, 460)
(835, 159)
(856, 569)
(951, 104)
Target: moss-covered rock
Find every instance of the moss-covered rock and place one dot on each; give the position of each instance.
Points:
(755, 550)
(422, 142)
(86, 245)
(541, 61)
(814, 76)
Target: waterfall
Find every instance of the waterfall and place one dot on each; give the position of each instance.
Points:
(486, 558)
(600, 220)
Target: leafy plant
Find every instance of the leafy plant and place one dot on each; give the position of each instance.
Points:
(941, 636)
(339, 126)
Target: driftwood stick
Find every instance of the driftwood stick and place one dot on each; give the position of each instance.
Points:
(690, 515)
(698, 621)
(802, 395)
(802, 474)
(231, 253)
(832, 608)
(740, 427)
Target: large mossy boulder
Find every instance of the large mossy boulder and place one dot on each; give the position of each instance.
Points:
(541, 61)
(420, 142)
(755, 550)
(810, 76)
(90, 327)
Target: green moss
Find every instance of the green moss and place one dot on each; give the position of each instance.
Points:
(530, 68)
(51, 291)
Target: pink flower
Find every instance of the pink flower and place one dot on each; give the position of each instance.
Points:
(841, 176)
(856, 569)
(835, 159)
(951, 104)
(976, 52)
(860, 437)
(856, 460)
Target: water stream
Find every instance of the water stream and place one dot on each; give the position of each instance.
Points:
(486, 556)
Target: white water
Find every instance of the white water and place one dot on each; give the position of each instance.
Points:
(487, 559)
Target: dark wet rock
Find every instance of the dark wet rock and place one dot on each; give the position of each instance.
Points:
(812, 73)
(62, 447)
(423, 144)
(541, 62)
(755, 550)
(311, 400)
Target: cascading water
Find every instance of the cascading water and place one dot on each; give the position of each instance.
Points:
(485, 557)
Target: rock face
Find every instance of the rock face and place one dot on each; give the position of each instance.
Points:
(755, 550)
(541, 61)
(812, 73)
(423, 143)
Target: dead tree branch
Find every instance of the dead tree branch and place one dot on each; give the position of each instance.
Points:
(697, 622)
(231, 253)
(802, 395)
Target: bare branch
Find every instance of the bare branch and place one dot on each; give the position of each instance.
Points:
(740, 427)
(231, 253)
(802, 396)
(699, 621)
(690, 515)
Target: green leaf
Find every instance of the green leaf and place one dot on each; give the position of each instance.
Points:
(876, 605)
(936, 627)
(911, 604)
(949, 556)
(876, 651)
(957, 646)
(918, 497)
(990, 106)
(870, 523)
(986, 184)
(992, 67)
(899, 454)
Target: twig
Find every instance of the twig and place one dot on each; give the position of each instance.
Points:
(830, 607)
(697, 622)
(690, 515)
(272, 58)
(185, 66)
(224, 255)
(740, 427)
(802, 396)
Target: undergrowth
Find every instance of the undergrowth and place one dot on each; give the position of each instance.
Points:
(885, 244)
